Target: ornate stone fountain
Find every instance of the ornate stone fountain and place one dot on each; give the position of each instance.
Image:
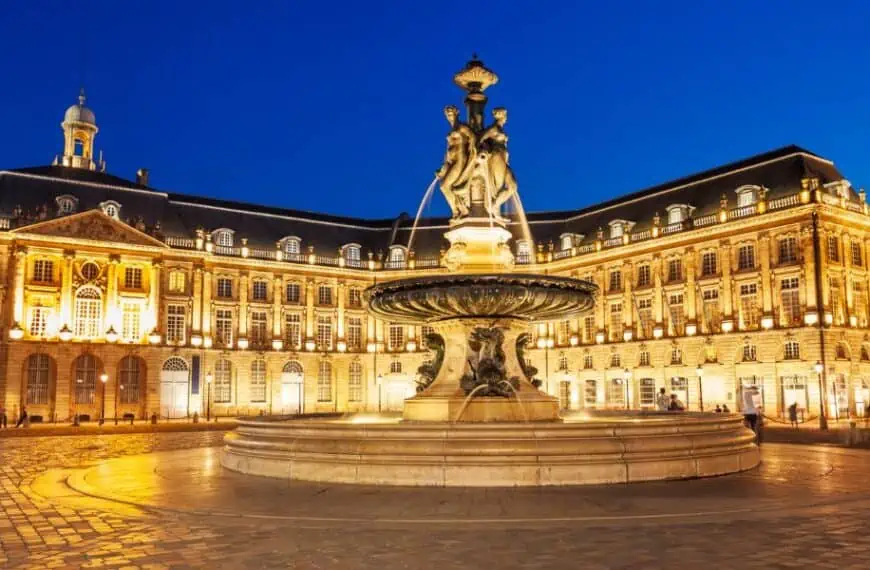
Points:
(478, 418)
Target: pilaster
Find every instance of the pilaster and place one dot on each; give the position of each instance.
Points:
(243, 305)
(207, 286)
(727, 288)
(809, 262)
(764, 255)
(277, 283)
(66, 294)
(18, 303)
(112, 312)
(341, 291)
(196, 317)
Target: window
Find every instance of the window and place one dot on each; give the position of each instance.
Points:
(865, 353)
(587, 362)
(567, 242)
(788, 250)
(66, 205)
(746, 257)
(615, 280)
(616, 322)
(675, 214)
(130, 380)
(833, 249)
(354, 333)
(615, 360)
(352, 255)
(616, 230)
(43, 271)
(223, 238)
(293, 330)
(790, 299)
(616, 397)
(643, 276)
(354, 297)
(225, 287)
(85, 379)
(397, 337)
(749, 312)
(395, 367)
(292, 293)
(292, 247)
(677, 313)
(859, 296)
(857, 254)
(38, 379)
(176, 324)
(324, 332)
(354, 382)
(223, 382)
(563, 363)
(177, 281)
(675, 270)
(258, 290)
(837, 305)
(425, 331)
(840, 352)
(647, 393)
(676, 355)
(745, 197)
(130, 321)
(397, 257)
(645, 317)
(258, 381)
(524, 252)
(590, 393)
(223, 327)
(88, 313)
(90, 270)
(324, 381)
(709, 264)
(588, 329)
(563, 332)
(324, 295)
(792, 350)
(258, 330)
(133, 278)
(750, 353)
(111, 209)
(644, 358)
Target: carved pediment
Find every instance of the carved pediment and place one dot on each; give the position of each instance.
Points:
(91, 225)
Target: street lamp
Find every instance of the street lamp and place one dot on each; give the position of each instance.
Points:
(103, 378)
(700, 372)
(627, 377)
(120, 388)
(823, 420)
(380, 381)
(208, 379)
(76, 402)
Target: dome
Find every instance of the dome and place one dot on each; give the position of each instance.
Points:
(78, 113)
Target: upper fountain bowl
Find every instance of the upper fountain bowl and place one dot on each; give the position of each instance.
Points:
(516, 296)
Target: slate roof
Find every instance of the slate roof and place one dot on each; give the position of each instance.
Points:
(780, 171)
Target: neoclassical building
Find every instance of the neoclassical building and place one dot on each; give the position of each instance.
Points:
(120, 298)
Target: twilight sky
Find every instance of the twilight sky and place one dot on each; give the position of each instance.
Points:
(336, 106)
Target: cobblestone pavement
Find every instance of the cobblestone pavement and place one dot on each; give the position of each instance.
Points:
(164, 502)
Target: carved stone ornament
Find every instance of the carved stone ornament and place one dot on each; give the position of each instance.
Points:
(91, 225)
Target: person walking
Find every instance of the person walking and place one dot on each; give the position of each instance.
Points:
(676, 405)
(3, 424)
(662, 402)
(22, 418)
(752, 409)
(793, 415)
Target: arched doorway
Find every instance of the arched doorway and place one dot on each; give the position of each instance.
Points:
(174, 388)
(38, 393)
(291, 400)
(130, 386)
(86, 398)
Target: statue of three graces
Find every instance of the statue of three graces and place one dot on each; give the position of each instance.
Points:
(476, 165)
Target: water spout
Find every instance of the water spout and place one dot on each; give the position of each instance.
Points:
(427, 196)
(524, 224)
(519, 401)
(468, 399)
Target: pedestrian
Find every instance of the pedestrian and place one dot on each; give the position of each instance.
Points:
(3, 424)
(22, 418)
(662, 402)
(676, 405)
(792, 415)
(718, 409)
(751, 409)
(725, 409)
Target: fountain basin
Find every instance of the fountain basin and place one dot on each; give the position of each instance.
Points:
(607, 448)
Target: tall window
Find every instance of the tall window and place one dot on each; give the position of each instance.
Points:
(563, 332)
(709, 264)
(615, 280)
(129, 380)
(524, 252)
(677, 313)
(293, 330)
(750, 352)
(223, 382)
(43, 271)
(133, 278)
(397, 257)
(749, 312)
(792, 350)
(587, 362)
(223, 327)
(258, 330)
(859, 294)
(177, 281)
(647, 393)
(676, 355)
(175, 324)
(258, 290)
(292, 293)
(351, 255)
(616, 230)
(675, 215)
(354, 333)
(788, 250)
(258, 381)
(85, 379)
(645, 317)
(857, 254)
(643, 360)
(746, 257)
(616, 396)
(324, 295)
(225, 287)
(397, 337)
(616, 322)
(39, 321)
(324, 332)
(425, 331)
(712, 315)
(567, 242)
(746, 197)
(643, 276)
(563, 363)
(588, 330)
(791, 307)
(354, 297)
(615, 360)
(88, 312)
(38, 379)
(354, 382)
(837, 305)
(130, 322)
(833, 249)
(324, 381)
(223, 238)
(675, 270)
(292, 247)
(590, 393)
(395, 367)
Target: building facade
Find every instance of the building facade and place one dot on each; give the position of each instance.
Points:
(120, 299)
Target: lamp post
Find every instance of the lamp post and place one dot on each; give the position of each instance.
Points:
(208, 379)
(700, 372)
(120, 387)
(626, 374)
(76, 403)
(823, 420)
(103, 379)
(379, 380)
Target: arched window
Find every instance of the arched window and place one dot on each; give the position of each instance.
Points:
(397, 257)
(292, 246)
(615, 360)
(567, 241)
(130, 379)
(792, 350)
(175, 364)
(354, 382)
(223, 382)
(223, 238)
(111, 209)
(352, 255)
(85, 379)
(587, 362)
(292, 367)
(747, 196)
(324, 381)
(88, 312)
(66, 205)
(395, 367)
(38, 379)
(258, 381)
(676, 355)
(90, 270)
(750, 353)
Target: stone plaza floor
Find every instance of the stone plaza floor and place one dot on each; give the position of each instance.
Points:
(161, 500)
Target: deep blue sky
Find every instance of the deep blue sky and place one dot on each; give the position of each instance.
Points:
(336, 106)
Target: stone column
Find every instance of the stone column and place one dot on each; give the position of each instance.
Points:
(847, 276)
(277, 284)
(691, 290)
(727, 289)
(207, 284)
(243, 305)
(112, 311)
(656, 268)
(309, 310)
(18, 299)
(66, 293)
(764, 254)
(341, 291)
(154, 297)
(627, 301)
(601, 309)
(196, 317)
(809, 262)
(823, 266)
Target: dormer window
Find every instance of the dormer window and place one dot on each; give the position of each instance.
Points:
(618, 228)
(524, 252)
(567, 241)
(747, 196)
(397, 256)
(223, 238)
(840, 188)
(292, 245)
(111, 208)
(66, 205)
(678, 213)
(352, 254)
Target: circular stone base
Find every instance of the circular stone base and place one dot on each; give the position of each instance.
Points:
(608, 448)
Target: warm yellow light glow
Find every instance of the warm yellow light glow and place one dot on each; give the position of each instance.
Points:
(242, 343)
(627, 335)
(341, 345)
(811, 318)
(65, 334)
(154, 337)
(411, 346)
(196, 340)
(542, 342)
(818, 367)
(658, 332)
(371, 347)
(767, 322)
(209, 377)
(853, 321)
(104, 377)
(691, 329)
(727, 326)
(207, 342)
(310, 345)
(277, 344)
(829, 318)
(599, 337)
(111, 335)
(16, 332)
(574, 340)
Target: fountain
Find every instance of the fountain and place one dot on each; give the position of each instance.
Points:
(479, 418)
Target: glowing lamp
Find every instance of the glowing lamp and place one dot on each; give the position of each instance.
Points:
(811, 318)
(727, 326)
(371, 347)
(209, 377)
(242, 343)
(818, 367)
(196, 340)
(767, 322)
(65, 334)
(691, 329)
(627, 335)
(277, 344)
(380, 379)
(154, 337)
(104, 377)
(207, 342)
(341, 345)
(658, 331)
(411, 346)
(853, 321)
(542, 342)
(699, 371)
(599, 337)
(626, 374)
(550, 342)
(310, 345)
(829, 318)
(16, 332)
(111, 335)
(574, 340)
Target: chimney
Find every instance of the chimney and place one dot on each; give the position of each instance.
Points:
(142, 177)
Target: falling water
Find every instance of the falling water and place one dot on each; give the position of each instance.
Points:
(524, 224)
(426, 198)
(468, 399)
(519, 400)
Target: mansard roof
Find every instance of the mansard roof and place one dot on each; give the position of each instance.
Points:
(179, 215)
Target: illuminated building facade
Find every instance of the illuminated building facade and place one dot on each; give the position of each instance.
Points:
(121, 297)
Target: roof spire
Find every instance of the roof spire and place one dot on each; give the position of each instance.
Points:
(82, 97)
